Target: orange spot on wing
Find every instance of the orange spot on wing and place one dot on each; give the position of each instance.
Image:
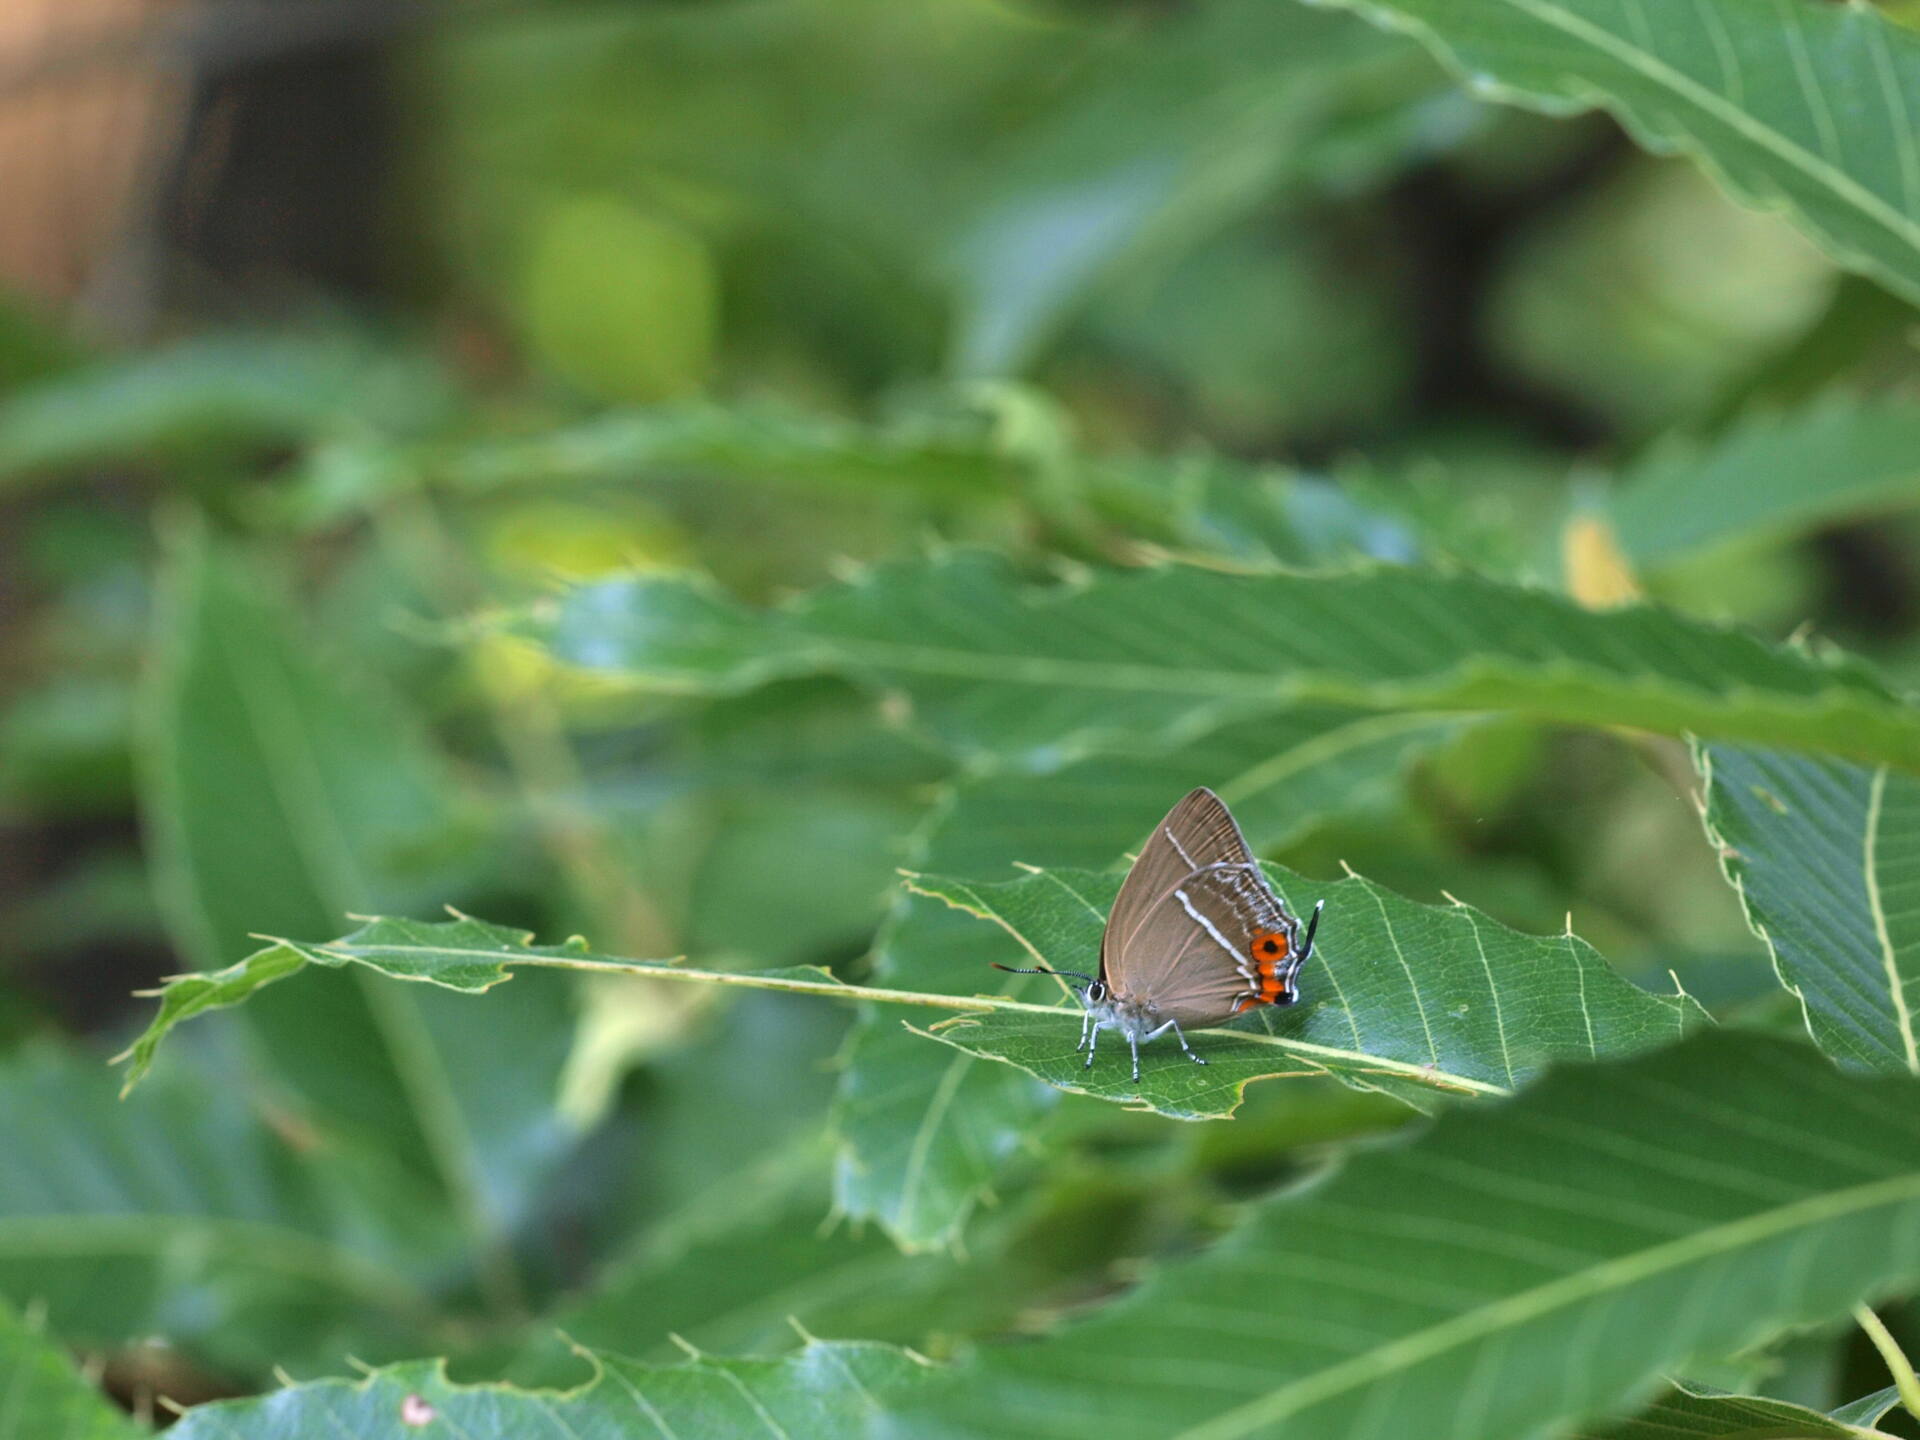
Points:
(1269, 950)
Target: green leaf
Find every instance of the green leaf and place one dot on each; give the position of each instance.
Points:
(1869, 1408)
(42, 1395)
(738, 1270)
(282, 792)
(1771, 475)
(182, 1212)
(936, 455)
(736, 1287)
(462, 954)
(1418, 1001)
(1282, 773)
(1686, 1410)
(923, 1131)
(214, 397)
(1806, 110)
(747, 1240)
(994, 666)
(1383, 1028)
(1519, 1268)
(1153, 146)
(283, 788)
(1824, 855)
(927, 1133)
(825, 1390)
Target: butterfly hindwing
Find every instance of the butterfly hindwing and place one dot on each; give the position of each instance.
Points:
(1196, 929)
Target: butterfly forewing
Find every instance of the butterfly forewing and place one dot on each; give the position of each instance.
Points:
(1196, 833)
(1182, 970)
(1194, 920)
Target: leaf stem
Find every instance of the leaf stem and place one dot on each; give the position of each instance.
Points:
(840, 990)
(1904, 1379)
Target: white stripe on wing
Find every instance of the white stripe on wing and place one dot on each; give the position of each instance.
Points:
(1179, 848)
(1207, 925)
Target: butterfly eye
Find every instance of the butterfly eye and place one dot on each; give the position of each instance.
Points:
(1097, 991)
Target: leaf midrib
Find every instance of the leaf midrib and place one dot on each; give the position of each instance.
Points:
(1870, 868)
(1008, 668)
(839, 990)
(1511, 1311)
(1427, 1074)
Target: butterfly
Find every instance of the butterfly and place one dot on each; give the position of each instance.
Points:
(1196, 936)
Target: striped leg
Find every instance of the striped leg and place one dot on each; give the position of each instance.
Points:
(1174, 1025)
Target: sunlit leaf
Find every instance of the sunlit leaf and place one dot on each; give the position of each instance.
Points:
(1802, 109)
(996, 666)
(1485, 1008)
(1521, 1267)
(1419, 1001)
(926, 1133)
(1824, 855)
(825, 1390)
(461, 954)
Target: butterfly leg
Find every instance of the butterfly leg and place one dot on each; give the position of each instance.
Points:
(1092, 1035)
(1174, 1025)
(1133, 1040)
(1086, 1029)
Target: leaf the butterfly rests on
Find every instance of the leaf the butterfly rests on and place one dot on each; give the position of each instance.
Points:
(1196, 935)
(1196, 928)
(1421, 1002)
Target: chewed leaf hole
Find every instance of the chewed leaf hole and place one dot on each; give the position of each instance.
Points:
(416, 1411)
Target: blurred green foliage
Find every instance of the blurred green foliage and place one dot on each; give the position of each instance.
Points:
(738, 367)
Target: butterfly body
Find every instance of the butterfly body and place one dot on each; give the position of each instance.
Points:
(1195, 937)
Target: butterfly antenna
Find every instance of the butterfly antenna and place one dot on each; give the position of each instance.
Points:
(1043, 970)
(1306, 950)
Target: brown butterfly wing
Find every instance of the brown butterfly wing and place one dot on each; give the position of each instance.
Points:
(1183, 970)
(1149, 932)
